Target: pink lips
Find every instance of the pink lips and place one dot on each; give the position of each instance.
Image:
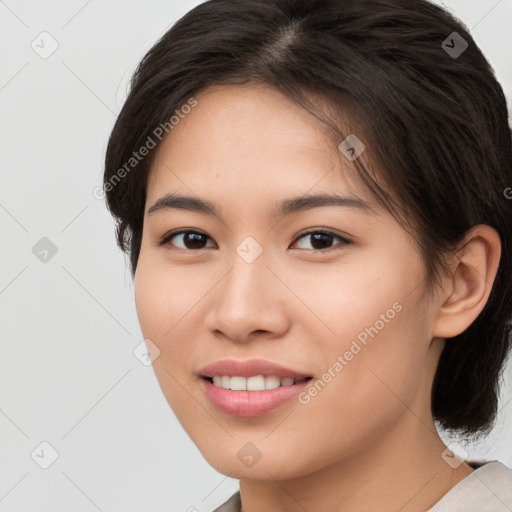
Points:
(250, 403)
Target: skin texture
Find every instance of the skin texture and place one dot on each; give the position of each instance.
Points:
(367, 441)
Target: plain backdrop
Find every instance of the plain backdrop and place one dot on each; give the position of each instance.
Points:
(68, 376)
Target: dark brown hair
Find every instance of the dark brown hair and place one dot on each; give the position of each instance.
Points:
(432, 115)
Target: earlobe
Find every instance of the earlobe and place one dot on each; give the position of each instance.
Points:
(470, 282)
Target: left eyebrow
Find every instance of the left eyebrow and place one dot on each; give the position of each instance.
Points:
(286, 207)
(299, 204)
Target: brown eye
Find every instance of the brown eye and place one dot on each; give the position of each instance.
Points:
(193, 240)
(322, 240)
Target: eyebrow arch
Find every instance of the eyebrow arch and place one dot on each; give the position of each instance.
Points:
(286, 207)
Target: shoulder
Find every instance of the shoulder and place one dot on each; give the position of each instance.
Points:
(487, 489)
(234, 504)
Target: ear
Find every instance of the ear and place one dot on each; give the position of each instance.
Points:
(468, 286)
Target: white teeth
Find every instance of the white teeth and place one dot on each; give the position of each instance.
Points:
(272, 382)
(238, 383)
(256, 383)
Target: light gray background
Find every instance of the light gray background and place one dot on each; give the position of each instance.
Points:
(68, 326)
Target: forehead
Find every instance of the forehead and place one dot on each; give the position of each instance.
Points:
(250, 140)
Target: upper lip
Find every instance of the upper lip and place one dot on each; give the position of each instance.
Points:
(252, 367)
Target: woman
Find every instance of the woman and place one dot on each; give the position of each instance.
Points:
(312, 195)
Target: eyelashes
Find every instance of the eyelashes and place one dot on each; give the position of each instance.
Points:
(194, 238)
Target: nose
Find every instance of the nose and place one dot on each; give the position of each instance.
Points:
(249, 301)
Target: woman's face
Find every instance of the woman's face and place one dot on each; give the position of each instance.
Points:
(348, 307)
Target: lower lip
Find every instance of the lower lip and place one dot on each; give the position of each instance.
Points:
(250, 404)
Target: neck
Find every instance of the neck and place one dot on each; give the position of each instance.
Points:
(394, 473)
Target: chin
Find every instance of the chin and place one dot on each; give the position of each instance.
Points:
(268, 467)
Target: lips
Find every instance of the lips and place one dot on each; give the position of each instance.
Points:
(251, 403)
(250, 368)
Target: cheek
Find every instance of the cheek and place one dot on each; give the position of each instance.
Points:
(162, 302)
(352, 300)
(149, 298)
(167, 300)
(364, 393)
(163, 295)
(379, 336)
